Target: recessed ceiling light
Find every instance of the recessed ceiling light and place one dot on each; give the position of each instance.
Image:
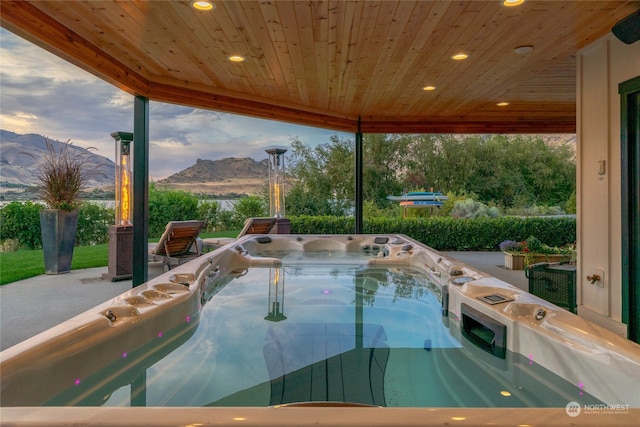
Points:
(236, 58)
(510, 3)
(203, 5)
(502, 104)
(521, 50)
(459, 56)
(428, 88)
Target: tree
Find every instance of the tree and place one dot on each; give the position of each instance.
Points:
(499, 169)
(384, 159)
(323, 177)
(441, 162)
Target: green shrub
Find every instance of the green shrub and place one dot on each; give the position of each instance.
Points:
(452, 199)
(169, 205)
(9, 245)
(94, 221)
(21, 220)
(536, 210)
(534, 244)
(248, 207)
(225, 221)
(209, 212)
(570, 205)
(469, 208)
(370, 210)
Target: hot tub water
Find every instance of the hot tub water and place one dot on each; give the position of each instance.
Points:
(352, 333)
(298, 329)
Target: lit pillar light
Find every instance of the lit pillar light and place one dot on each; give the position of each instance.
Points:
(121, 234)
(123, 177)
(276, 181)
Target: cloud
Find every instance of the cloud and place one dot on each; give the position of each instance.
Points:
(41, 93)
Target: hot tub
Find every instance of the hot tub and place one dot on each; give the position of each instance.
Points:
(341, 330)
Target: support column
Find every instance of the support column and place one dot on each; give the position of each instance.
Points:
(140, 189)
(359, 191)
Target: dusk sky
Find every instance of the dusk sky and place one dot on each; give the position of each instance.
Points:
(43, 94)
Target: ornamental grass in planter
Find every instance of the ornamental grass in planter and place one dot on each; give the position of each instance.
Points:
(63, 172)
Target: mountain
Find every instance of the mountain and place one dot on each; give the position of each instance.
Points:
(227, 177)
(222, 170)
(231, 176)
(19, 154)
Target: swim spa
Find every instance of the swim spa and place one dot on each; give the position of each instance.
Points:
(348, 330)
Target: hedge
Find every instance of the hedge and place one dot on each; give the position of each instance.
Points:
(21, 221)
(445, 233)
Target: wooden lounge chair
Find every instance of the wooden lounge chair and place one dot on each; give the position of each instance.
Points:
(257, 226)
(251, 226)
(178, 243)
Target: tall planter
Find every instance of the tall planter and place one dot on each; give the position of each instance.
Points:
(58, 229)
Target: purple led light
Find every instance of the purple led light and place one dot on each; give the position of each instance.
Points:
(159, 334)
(188, 319)
(77, 381)
(124, 355)
(326, 291)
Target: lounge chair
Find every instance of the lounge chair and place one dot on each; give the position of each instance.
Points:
(251, 226)
(178, 244)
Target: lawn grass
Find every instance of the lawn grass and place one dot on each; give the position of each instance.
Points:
(23, 264)
(20, 265)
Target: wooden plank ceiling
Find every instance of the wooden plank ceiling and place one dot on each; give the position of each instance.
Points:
(334, 63)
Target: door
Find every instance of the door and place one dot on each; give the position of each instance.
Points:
(630, 169)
